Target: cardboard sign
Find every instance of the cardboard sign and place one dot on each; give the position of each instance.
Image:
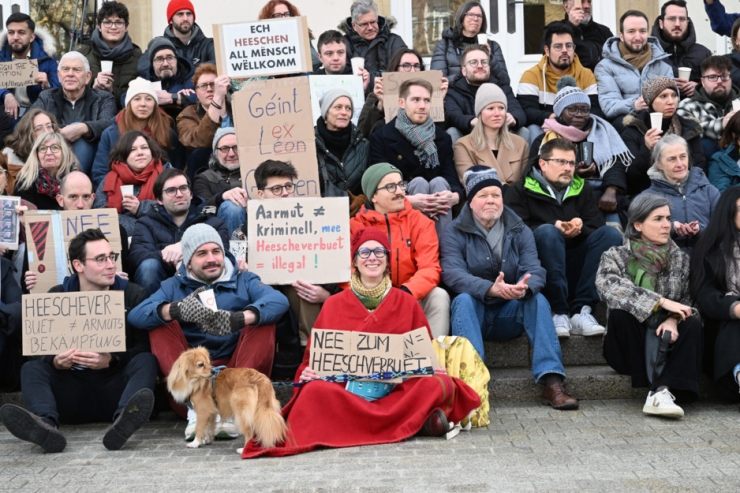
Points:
(273, 120)
(392, 84)
(262, 48)
(48, 234)
(18, 73)
(10, 226)
(321, 84)
(299, 238)
(91, 321)
(335, 352)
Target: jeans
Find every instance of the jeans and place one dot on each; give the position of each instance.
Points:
(85, 396)
(438, 184)
(233, 215)
(571, 272)
(454, 134)
(150, 274)
(534, 132)
(85, 152)
(480, 322)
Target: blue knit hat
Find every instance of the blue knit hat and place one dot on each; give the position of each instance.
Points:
(479, 177)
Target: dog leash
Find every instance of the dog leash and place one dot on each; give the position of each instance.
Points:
(344, 377)
(214, 373)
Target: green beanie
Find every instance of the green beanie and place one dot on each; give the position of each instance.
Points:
(374, 174)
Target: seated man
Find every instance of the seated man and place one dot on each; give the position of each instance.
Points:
(155, 250)
(81, 111)
(240, 334)
(83, 387)
(490, 261)
(332, 54)
(421, 151)
(570, 234)
(414, 242)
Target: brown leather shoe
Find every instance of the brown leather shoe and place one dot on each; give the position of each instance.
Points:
(558, 397)
(436, 425)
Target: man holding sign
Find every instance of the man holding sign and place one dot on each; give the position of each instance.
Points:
(77, 386)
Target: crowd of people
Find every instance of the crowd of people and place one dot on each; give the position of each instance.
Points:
(611, 175)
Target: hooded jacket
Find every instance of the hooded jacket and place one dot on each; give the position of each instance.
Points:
(210, 184)
(377, 52)
(724, 169)
(43, 49)
(99, 109)
(589, 39)
(183, 79)
(685, 53)
(123, 72)
(414, 246)
(460, 104)
(448, 52)
(620, 83)
(707, 112)
(344, 171)
(198, 50)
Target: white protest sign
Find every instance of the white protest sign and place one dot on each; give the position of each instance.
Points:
(321, 84)
(392, 84)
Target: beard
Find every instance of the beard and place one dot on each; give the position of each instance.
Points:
(229, 165)
(181, 30)
(669, 36)
(21, 50)
(561, 65)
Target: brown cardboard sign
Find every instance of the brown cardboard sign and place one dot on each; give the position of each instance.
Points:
(416, 344)
(273, 120)
(18, 73)
(91, 321)
(392, 84)
(262, 48)
(299, 238)
(48, 234)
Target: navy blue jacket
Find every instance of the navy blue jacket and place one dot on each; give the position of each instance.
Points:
(183, 79)
(43, 49)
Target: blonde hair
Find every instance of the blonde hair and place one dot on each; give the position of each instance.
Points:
(478, 136)
(29, 173)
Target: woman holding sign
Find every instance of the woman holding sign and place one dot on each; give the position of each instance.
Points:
(325, 414)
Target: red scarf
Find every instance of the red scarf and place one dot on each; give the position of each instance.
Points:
(121, 174)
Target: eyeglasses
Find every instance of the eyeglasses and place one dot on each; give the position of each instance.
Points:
(172, 191)
(278, 189)
(559, 46)
(378, 252)
(159, 60)
(226, 149)
(408, 67)
(674, 19)
(116, 24)
(102, 259)
(49, 127)
(714, 77)
(578, 110)
(471, 15)
(392, 187)
(562, 162)
(475, 63)
(206, 85)
(278, 15)
(53, 148)
(365, 25)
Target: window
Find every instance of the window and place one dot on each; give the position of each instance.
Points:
(431, 17)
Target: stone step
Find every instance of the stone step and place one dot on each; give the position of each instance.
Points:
(577, 350)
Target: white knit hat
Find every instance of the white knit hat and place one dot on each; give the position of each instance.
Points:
(140, 86)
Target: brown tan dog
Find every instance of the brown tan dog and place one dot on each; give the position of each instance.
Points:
(242, 393)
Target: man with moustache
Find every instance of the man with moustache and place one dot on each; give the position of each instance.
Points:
(630, 59)
(570, 234)
(588, 35)
(711, 104)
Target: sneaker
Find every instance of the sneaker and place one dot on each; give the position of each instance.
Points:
(584, 324)
(226, 430)
(661, 404)
(134, 415)
(190, 431)
(562, 325)
(27, 426)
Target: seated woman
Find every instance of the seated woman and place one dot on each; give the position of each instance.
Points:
(724, 166)
(692, 198)
(661, 96)
(18, 145)
(715, 285)
(141, 113)
(38, 180)
(490, 143)
(324, 414)
(135, 160)
(645, 284)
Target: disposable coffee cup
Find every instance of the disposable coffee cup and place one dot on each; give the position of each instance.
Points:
(127, 189)
(482, 38)
(656, 120)
(106, 65)
(357, 63)
(735, 104)
(684, 73)
(209, 299)
(157, 85)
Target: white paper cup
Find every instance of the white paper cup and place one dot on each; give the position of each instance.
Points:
(482, 38)
(684, 73)
(357, 62)
(656, 120)
(735, 104)
(106, 65)
(157, 85)
(208, 299)
(127, 189)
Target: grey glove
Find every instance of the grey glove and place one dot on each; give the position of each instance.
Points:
(223, 322)
(191, 309)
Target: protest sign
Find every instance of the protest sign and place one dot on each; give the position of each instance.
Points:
(392, 84)
(262, 48)
(335, 352)
(299, 238)
(91, 321)
(274, 121)
(10, 229)
(18, 73)
(321, 84)
(48, 234)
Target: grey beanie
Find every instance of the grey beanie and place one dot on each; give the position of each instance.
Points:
(568, 93)
(222, 132)
(373, 175)
(479, 177)
(329, 97)
(158, 44)
(195, 236)
(488, 93)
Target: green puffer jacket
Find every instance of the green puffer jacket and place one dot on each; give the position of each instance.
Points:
(123, 72)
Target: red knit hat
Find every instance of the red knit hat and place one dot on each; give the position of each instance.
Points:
(177, 5)
(367, 234)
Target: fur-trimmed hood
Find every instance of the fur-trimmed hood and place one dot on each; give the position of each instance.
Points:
(44, 43)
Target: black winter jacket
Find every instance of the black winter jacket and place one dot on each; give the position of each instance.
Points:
(460, 105)
(100, 109)
(346, 171)
(589, 39)
(377, 52)
(198, 50)
(449, 50)
(687, 53)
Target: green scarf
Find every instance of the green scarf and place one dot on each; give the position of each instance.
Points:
(370, 297)
(647, 262)
(421, 137)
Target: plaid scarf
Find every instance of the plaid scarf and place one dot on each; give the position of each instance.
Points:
(47, 184)
(421, 137)
(647, 262)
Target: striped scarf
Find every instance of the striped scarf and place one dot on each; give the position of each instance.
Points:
(421, 137)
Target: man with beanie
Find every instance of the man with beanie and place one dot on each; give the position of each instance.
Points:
(461, 96)
(630, 59)
(588, 35)
(489, 260)
(570, 234)
(422, 152)
(239, 333)
(221, 184)
(413, 240)
(78, 386)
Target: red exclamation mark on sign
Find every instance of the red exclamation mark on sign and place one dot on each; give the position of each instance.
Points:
(38, 234)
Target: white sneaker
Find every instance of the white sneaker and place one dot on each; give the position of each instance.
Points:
(584, 324)
(661, 404)
(562, 325)
(190, 431)
(227, 430)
